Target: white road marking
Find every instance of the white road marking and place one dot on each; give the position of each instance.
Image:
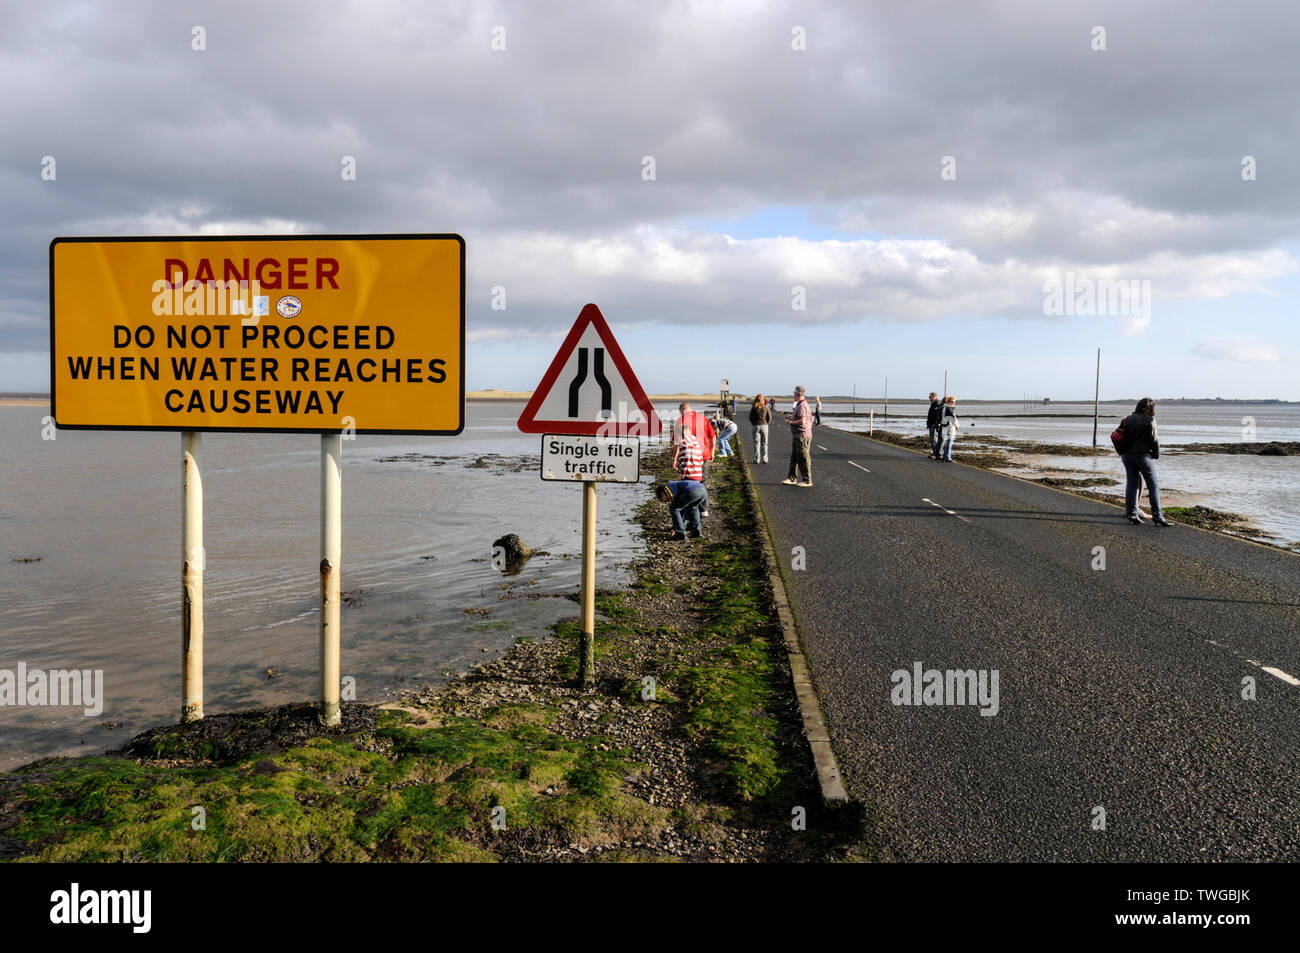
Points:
(820, 447)
(926, 499)
(862, 468)
(1275, 672)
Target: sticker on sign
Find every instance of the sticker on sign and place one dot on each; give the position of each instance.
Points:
(577, 457)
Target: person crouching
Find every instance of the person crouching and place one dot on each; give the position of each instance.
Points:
(685, 499)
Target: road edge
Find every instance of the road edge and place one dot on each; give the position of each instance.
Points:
(829, 779)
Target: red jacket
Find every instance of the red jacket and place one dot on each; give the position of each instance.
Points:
(702, 429)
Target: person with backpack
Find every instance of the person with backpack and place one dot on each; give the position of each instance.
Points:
(760, 417)
(1137, 440)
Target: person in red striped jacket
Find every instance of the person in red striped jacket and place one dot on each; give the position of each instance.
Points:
(688, 458)
(706, 436)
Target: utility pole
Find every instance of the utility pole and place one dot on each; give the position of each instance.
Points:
(945, 383)
(855, 400)
(1096, 401)
(886, 398)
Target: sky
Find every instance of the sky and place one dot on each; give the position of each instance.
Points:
(805, 193)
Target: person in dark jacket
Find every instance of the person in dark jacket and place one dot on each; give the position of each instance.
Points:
(932, 424)
(1141, 447)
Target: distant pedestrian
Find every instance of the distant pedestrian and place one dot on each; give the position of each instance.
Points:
(688, 458)
(817, 413)
(948, 427)
(726, 429)
(760, 416)
(686, 500)
(1139, 447)
(932, 423)
(800, 420)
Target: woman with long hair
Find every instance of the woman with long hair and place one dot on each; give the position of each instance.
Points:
(1141, 446)
(948, 427)
(760, 416)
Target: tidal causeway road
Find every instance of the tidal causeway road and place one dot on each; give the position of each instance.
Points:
(1144, 711)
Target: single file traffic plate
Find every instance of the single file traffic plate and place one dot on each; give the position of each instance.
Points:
(292, 333)
(576, 457)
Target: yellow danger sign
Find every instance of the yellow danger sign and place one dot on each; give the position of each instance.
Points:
(299, 334)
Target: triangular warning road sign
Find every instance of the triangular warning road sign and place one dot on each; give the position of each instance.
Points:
(590, 388)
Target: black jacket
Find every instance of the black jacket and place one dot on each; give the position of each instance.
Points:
(1141, 436)
(760, 415)
(936, 410)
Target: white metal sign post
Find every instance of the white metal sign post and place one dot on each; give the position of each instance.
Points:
(331, 555)
(570, 457)
(192, 556)
(592, 411)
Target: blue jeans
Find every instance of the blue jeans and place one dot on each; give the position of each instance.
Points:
(685, 509)
(724, 439)
(1139, 466)
(945, 448)
(934, 441)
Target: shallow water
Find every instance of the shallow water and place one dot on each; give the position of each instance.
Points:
(102, 511)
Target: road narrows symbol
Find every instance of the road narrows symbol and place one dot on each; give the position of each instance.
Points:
(575, 386)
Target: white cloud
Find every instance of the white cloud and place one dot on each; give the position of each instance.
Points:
(1239, 350)
(684, 277)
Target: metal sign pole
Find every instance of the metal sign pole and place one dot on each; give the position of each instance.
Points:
(192, 557)
(1096, 401)
(331, 550)
(587, 649)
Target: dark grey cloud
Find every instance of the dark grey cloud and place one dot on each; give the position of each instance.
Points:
(1066, 157)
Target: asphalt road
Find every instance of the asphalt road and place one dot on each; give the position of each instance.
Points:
(1119, 689)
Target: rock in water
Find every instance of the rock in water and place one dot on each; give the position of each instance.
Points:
(512, 549)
